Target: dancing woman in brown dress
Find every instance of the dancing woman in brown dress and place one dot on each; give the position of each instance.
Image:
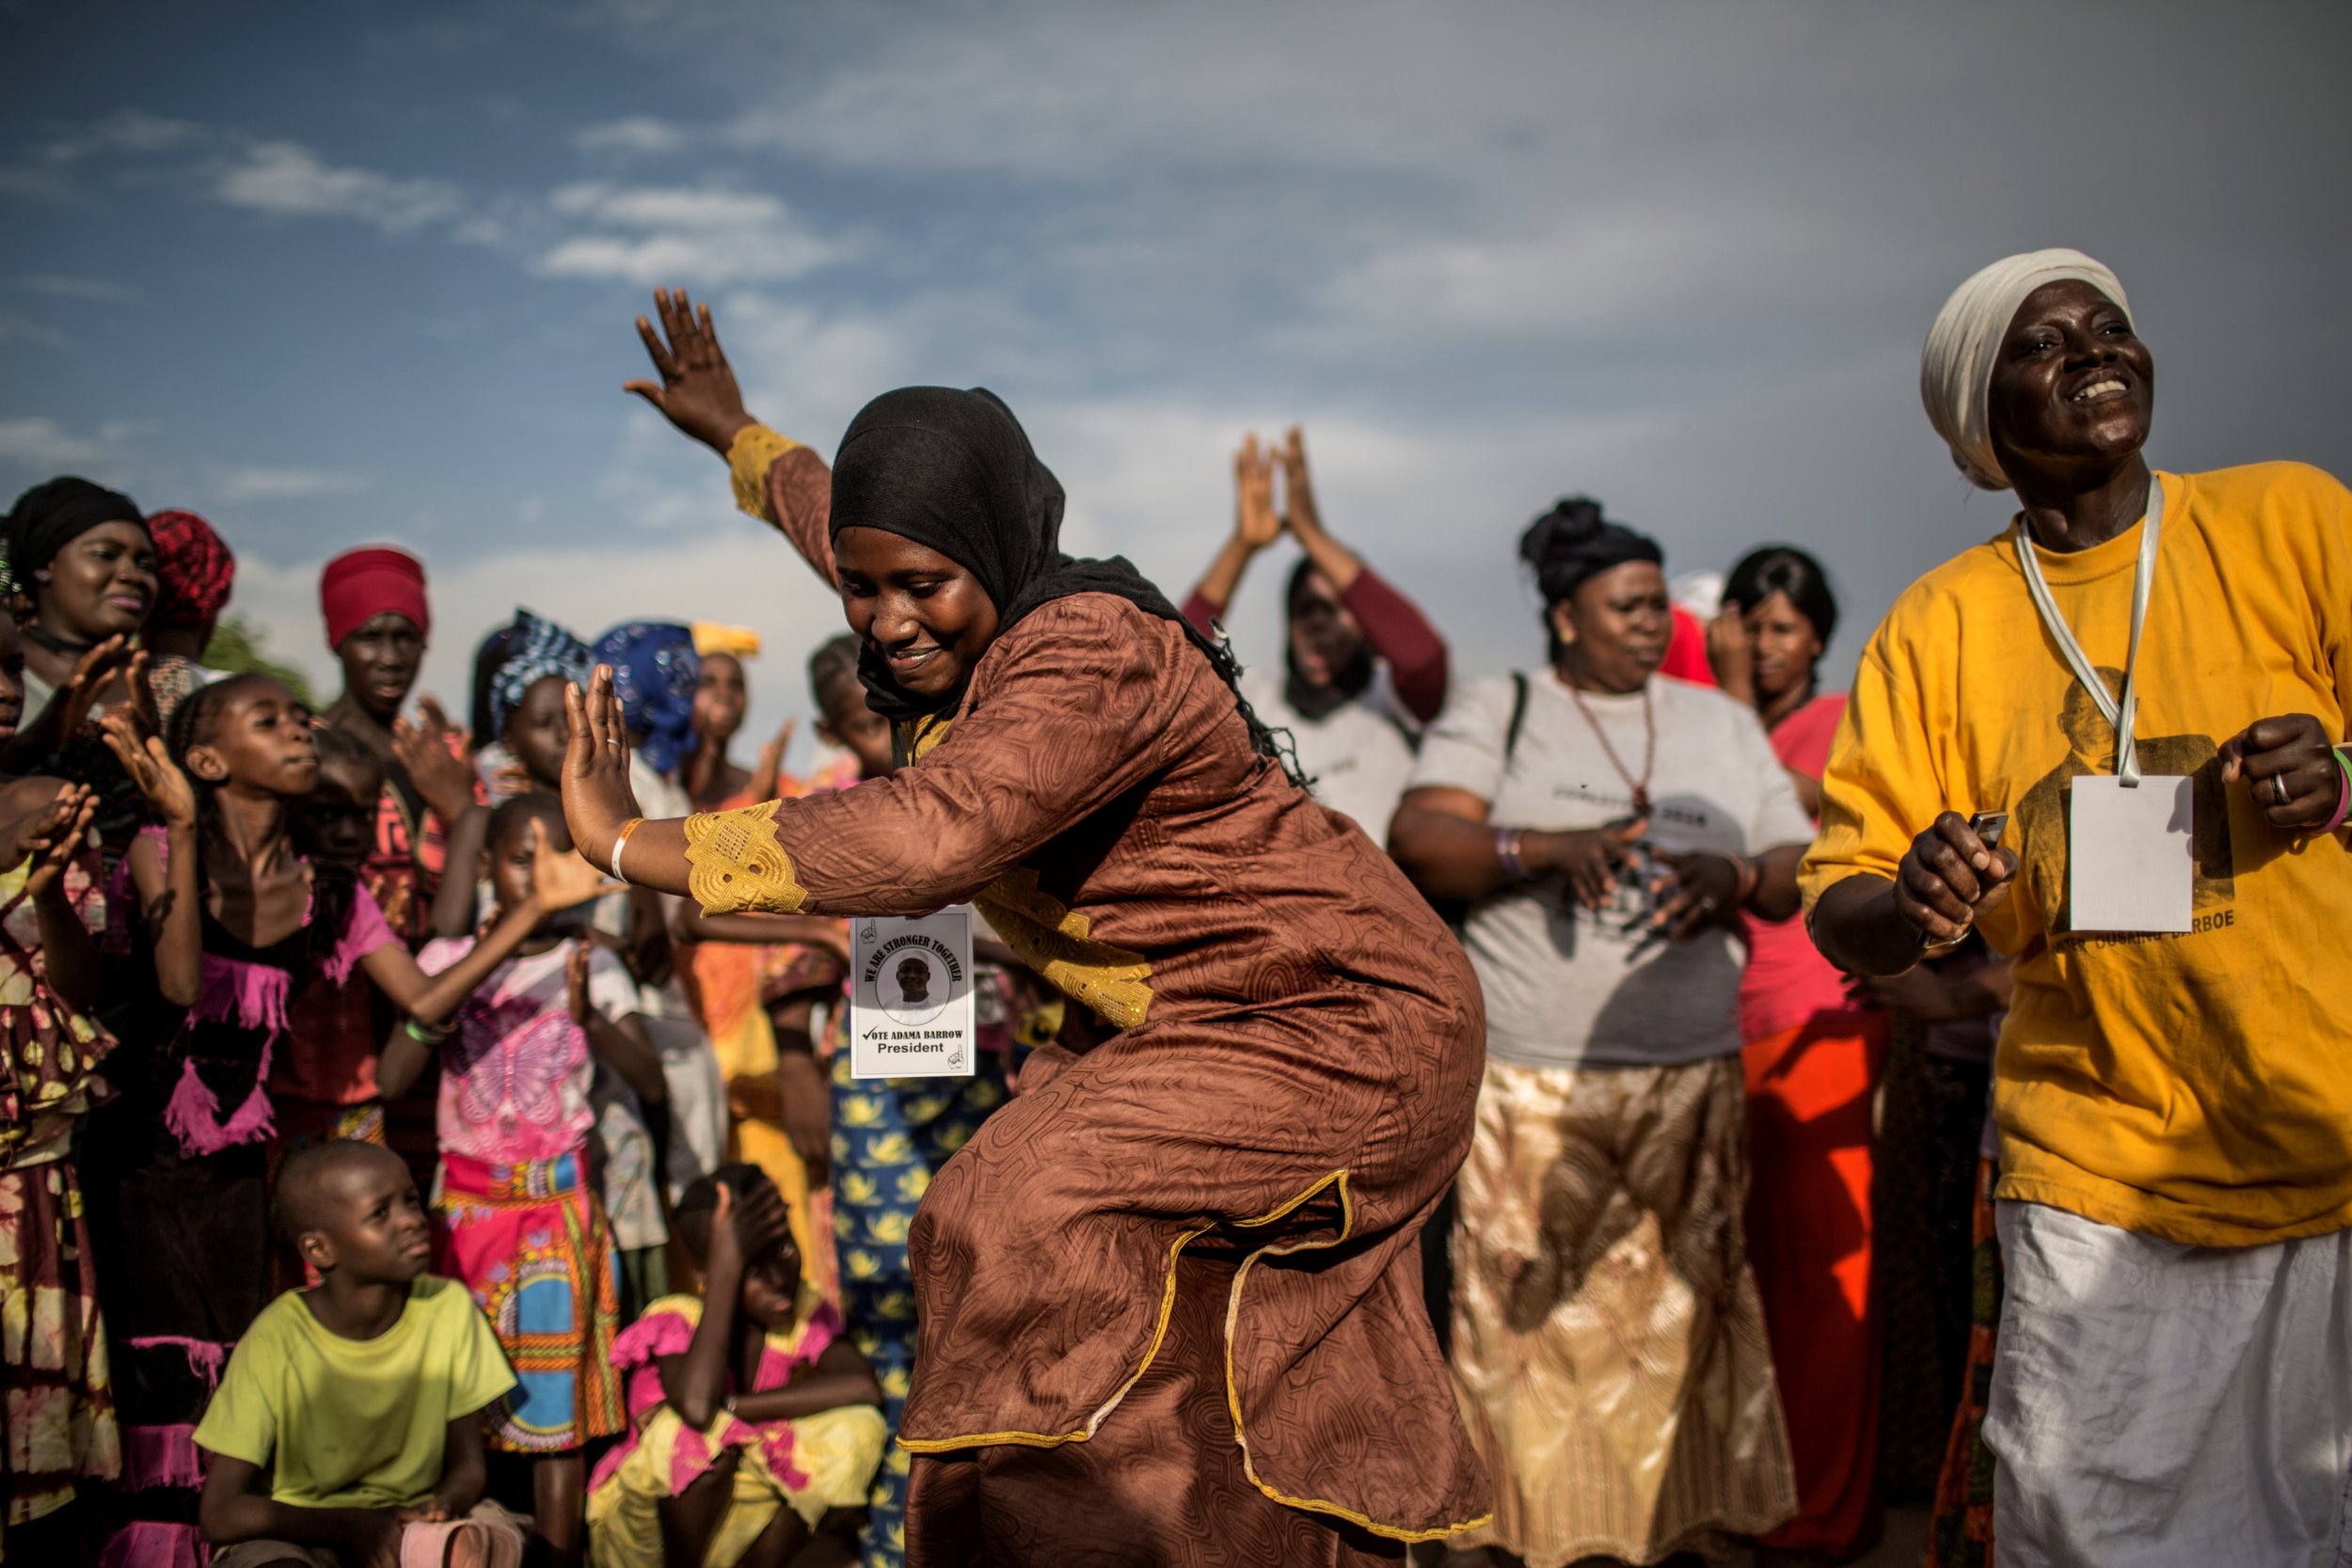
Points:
(1170, 1296)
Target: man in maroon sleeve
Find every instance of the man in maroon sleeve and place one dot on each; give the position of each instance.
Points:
(1364, 670)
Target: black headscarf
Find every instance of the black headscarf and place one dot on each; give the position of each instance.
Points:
(954, 471)
(50, 517)
(1573, 541)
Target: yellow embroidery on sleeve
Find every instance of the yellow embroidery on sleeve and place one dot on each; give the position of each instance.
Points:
(754, 451)
(735, 862)
(1057, 942)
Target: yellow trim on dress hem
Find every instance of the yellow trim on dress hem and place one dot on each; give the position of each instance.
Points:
(1094, 1422)
(1233, 1395)
(1232, 1391)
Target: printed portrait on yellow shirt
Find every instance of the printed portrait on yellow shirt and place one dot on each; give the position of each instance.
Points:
(2042, 814)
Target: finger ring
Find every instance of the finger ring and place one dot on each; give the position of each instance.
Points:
(610, 741)
(2278, 789)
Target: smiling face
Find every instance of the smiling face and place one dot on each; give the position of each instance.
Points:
(720, 699)
(380, 663)
(1614, 628)
(366, 1222)
(101, 584)
(2073, 386)
(926, 617)
(257, 738)
(1326, 638)
(1782, 643)
(537, 731)
(914, 980)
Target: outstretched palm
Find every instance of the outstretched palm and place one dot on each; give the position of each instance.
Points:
(697, 392)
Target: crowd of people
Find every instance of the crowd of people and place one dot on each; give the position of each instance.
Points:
(1645, 1105)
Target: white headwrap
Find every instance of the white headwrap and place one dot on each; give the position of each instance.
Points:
(1956, 366)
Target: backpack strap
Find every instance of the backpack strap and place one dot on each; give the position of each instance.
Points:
(1519, 715)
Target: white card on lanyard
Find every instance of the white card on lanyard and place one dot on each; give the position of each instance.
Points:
(2130, 842)
(2131, 855)
(911, 996)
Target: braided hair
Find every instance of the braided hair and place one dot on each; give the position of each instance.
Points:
(334, 889)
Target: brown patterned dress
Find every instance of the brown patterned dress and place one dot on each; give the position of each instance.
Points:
(1170, 1302)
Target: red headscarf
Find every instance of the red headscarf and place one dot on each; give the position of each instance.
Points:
(196, 568)
(360, 585)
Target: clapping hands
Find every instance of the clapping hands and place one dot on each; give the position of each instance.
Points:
(1257, 520)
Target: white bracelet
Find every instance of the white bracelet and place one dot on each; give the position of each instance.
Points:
(622, 842)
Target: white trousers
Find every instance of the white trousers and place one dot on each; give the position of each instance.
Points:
(2156, 1404)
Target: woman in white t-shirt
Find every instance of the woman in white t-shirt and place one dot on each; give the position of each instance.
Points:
(1606, 825)
(1364, 670)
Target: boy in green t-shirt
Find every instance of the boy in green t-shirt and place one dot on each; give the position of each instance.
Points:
(351, 1411)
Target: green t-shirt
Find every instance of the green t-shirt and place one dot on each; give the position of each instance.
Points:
(356, 1423)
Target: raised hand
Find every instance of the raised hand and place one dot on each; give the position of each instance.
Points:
(1256, 524)
(439, 759)
(91, 678)
(562, 878)
(149, 763)
(142, 701)
(1731, 654)
(598, 799)
(1298, 492)
(57, 837)
(696, 391)
(767, 778)
(761, 1221)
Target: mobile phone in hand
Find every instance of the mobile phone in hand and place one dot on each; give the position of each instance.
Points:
(1988, 826)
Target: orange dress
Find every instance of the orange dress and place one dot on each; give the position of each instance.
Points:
(1813, 1063)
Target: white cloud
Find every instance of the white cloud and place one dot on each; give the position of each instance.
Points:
(94, 289)
(690, 234)
(290, 179)
(43, 443)
(639, 135)
(253, 483)
(128, 132)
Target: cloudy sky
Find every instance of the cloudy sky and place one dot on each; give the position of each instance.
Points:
(334, 275)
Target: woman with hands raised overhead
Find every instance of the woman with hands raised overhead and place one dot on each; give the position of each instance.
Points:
(1364, 670)
(1282, 1041)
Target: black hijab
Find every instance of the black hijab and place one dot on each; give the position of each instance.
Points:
(954, 471)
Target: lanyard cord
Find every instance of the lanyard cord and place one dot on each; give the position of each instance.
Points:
(2118, 714)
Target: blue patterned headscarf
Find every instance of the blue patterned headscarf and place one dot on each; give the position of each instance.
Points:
(655, 672)
(535, 649)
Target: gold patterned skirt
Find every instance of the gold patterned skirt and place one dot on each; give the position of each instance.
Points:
(1608, 1343)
